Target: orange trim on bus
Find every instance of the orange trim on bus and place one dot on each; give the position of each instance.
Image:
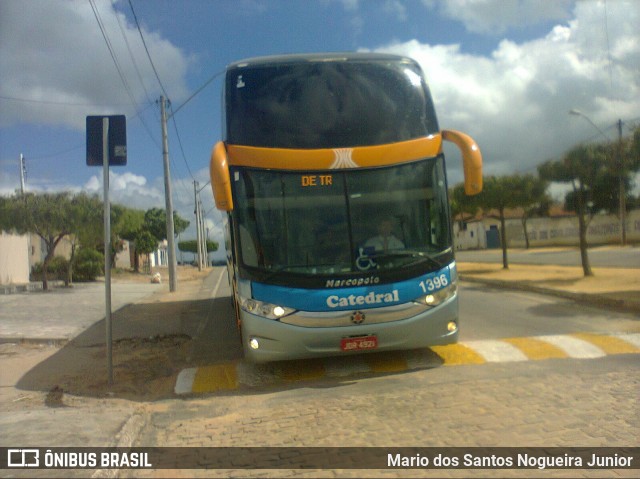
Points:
(335, 158)
(220, 180)
(471, 160)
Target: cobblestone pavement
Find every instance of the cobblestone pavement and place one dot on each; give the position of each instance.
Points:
(564, 390)
(588, 402)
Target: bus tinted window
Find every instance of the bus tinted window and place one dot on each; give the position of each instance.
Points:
(329, 104)
(326, 223)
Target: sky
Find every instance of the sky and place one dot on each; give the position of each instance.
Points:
(506, 72)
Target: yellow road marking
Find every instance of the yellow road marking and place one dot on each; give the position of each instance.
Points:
(215, 378)
(225, 377)
(454, 354)
(609, 344)
(536, 349)
(391, 362)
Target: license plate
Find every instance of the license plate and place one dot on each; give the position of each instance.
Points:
(359, 344)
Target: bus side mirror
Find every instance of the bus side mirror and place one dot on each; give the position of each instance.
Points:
(471, 160)
(220, 180)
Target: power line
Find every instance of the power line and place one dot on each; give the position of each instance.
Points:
(111, 51)
(119, 69)
(135, 17)
(216, 75)
(175, 126)
(133, 60)
(51, 102)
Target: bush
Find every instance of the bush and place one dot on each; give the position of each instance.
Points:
(57, 269)
(88, 264)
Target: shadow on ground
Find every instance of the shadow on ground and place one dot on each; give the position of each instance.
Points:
(152, 343)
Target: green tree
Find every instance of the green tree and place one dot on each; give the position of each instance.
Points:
(87, 226)
(191, 246)
(146, 244)
(463, 207)
(531, 195)
(582, 167)
(498, 194)
(155, 221)
(48, 215)
(129, 224)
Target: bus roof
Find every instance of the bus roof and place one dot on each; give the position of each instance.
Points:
(318, 57)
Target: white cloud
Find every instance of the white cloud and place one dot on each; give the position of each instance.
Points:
(395, 8)
(135, 191)
(56, 66)
(515, 102)
(497, 16)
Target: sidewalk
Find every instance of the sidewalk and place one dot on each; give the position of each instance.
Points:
(56, 339)
(612, 288)
(62, 314)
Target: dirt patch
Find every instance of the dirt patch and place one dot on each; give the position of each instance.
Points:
(152, 341)
(144, 369)
(603, 279)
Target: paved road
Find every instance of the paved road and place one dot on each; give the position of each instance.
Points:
(528, 391)
(589, 402)
(489, 313)
(535, 326)
(613, 257)
(567, 389)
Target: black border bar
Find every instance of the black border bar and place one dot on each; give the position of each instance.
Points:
(21, 457)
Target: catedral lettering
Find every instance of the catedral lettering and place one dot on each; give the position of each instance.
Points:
(349, 196)
(335, 301)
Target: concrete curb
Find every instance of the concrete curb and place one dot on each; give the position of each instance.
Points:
(57, 342)
(126, 438)
(28, 287)
(590, 299)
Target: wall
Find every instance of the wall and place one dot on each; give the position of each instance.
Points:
(602, 229)
(473, 234)
(14, 259)
(559, 231)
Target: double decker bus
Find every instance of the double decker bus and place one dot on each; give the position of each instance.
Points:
(338, 232)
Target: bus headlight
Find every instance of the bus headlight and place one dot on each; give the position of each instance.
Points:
(266, 310)
(438, 297)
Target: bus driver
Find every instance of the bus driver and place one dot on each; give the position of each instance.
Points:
(385, 241)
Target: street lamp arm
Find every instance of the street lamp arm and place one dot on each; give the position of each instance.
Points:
(579, 113)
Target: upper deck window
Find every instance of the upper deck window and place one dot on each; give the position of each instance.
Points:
(327, 104)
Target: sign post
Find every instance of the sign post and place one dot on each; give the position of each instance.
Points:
(107, 145)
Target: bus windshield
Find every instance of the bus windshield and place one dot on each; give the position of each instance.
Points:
(328, 104)
(335, 222)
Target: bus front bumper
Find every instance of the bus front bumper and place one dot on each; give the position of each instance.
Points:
(266, 340)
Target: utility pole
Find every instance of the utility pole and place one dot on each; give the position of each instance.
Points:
(623, 201)
(205, 253)
(171, 251)
(23, 170)
(197, 213)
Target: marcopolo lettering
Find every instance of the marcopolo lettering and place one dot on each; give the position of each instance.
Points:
(335, 301)
(341, 283)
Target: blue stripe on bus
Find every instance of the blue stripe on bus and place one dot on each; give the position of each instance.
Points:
(350, 298)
